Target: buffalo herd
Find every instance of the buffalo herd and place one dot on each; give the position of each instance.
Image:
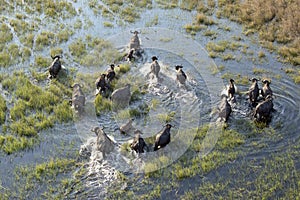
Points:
(260, 100)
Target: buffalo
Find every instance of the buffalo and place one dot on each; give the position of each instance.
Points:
(253, 91)
(231, 89)
(101, 84)
(180, 76)
(163, 138)
(138, 145)
(55, 66)
(130, 55)
(111, 74)
(121, 97)
(224, 109)
(263, 109)
(135, 41)
(125, 128)
(104, 143)
(78, 98)
(266, 90)
(155, 67)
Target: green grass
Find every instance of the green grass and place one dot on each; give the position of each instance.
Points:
(10, 144)
(167, 4)
(3, 109)
(88, 51)
(44, 39)
(78, 48)
(194, 28)
(45, 174)
(34, 108)
(123, 68)
(5, 34)
(167, 117)
(5, 59)
(259, 71)
(238, 78)
(102, 104)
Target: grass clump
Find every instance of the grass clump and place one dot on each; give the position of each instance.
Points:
(167, 4)
(102, 104)
(44, 39)
(97, 48)
(10, 144)
(63, 112)
(193, 28)
(78, 48)
(189, 5)
(3, 109)
(123, 68)
(5, 59)
(166, 118)
(5, 34)
(259, 71)
(201, 18)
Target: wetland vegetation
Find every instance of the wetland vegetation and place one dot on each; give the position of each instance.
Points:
(249, 160)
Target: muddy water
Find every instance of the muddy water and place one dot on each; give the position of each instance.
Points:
(198, 100)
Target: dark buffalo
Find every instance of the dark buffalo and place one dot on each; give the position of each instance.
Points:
(129, 56)
(111, 74)
(266, 90)
(231, 89)
(78, 98)
(138, 145)
(163, 138)
(263, 110)
(224, 109)
(55, 66)
(104, 143)
(253, 92)
(101, 85)
(180, 76)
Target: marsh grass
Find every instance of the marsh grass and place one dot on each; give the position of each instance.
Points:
(210, 33)
(123, 68)
(167, 117)
(259, 71)
(108, 24)
(188, 5)
(5, 34)
(238, 78)
(44, 174)
(167, 4)
(5, 59)
(42, 62)
(44, 39)
(56, 51)
(3, 109)
(259, 16)
(97, 48)
(10, 144)
(102, 104)
(33, 109)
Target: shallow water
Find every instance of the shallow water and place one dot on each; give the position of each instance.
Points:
(193, 105)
